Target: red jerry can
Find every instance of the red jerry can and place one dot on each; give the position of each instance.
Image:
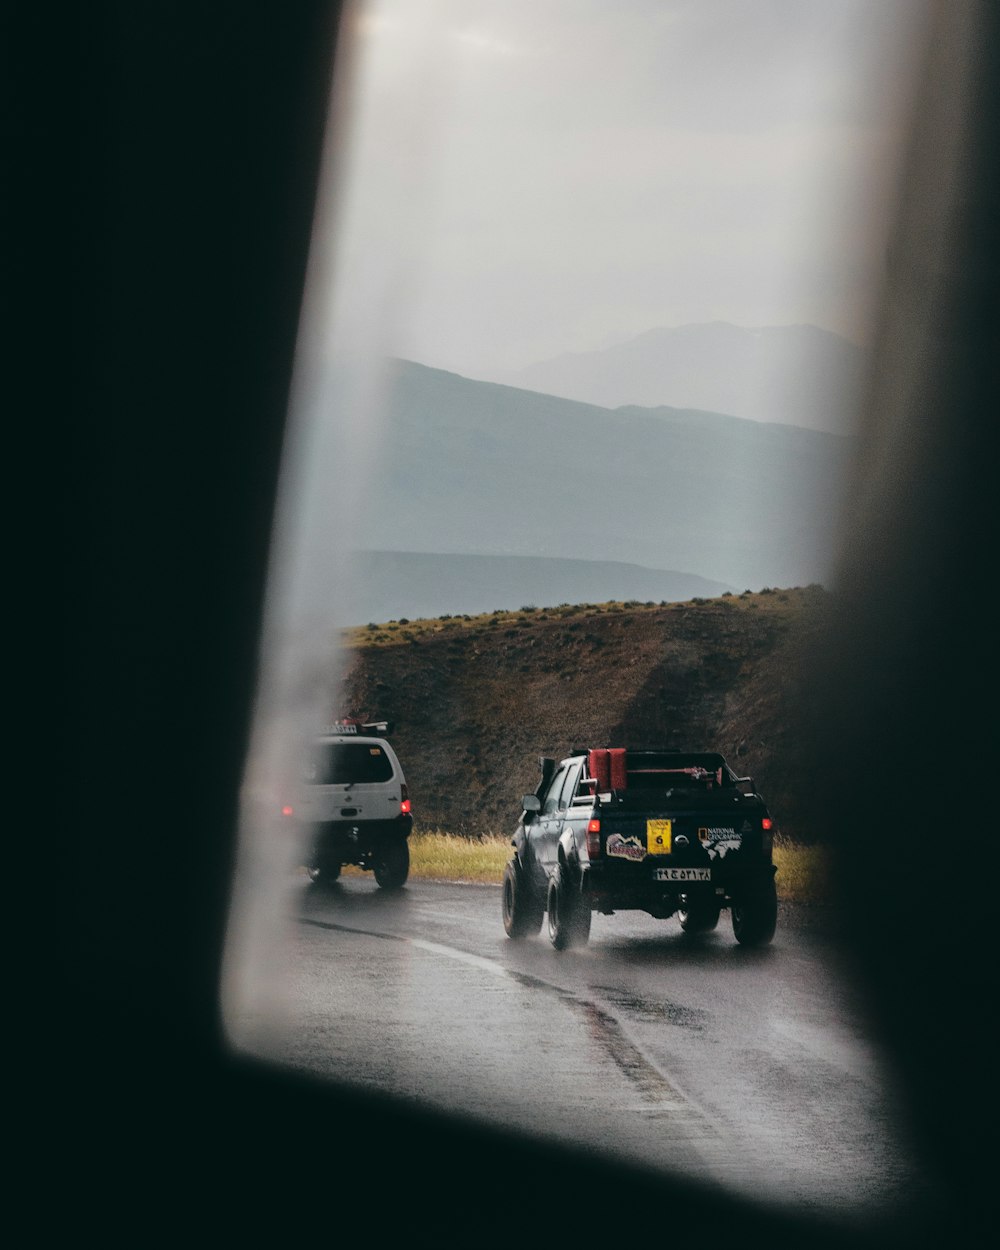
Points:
(597, 763)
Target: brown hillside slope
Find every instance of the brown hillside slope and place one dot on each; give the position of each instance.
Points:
(476, 700)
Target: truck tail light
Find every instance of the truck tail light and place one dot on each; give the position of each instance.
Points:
(404, 800)
(767, 835)
(594, 838)
(767, 823)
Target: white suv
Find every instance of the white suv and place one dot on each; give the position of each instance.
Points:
(354, 806)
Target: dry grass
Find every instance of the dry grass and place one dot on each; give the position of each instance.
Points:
(448, 857)
(804, 872)
(391, 633)
(438, 856)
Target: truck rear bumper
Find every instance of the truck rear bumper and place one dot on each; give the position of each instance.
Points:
(638, 890)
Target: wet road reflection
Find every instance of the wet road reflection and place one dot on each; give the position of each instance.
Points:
(747, 1069)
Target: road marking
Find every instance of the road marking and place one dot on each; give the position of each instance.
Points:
(604, 1027)
(465, 957)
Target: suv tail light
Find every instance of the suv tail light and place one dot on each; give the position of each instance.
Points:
(404, 800)
(594, 838)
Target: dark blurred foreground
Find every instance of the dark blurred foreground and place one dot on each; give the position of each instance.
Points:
(200, 129)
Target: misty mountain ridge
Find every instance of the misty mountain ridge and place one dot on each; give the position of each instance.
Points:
(796, 375)
(388, 585)
(481, 468)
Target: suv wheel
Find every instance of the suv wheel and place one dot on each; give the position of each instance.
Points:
(755, 915)
(325, 873)
(392, 863)
(568, 911)
(522, 909)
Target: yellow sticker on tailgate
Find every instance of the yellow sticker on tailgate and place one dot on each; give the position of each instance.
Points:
(658, 837)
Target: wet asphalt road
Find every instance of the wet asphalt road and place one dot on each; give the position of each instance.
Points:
(751, 1069)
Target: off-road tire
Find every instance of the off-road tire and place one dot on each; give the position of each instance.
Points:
(755, 915)
(568, 912)
(522, 909)
(391, 863)
(325, 873)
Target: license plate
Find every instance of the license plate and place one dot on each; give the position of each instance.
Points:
(658, 837)
(682, 874)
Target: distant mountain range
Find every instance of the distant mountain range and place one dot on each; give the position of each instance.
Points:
(796, 375)
(475, 468)
(387, 585)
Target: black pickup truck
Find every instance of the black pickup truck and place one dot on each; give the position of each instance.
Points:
(665, 832)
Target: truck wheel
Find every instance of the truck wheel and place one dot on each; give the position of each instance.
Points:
(522, 910)
(697, 915)
(755, 915)
(392, 863)
(325, 873)
(569, 913)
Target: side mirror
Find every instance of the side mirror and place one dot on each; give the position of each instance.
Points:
(531, 803)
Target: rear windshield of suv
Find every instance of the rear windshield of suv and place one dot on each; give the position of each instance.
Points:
(341, 763)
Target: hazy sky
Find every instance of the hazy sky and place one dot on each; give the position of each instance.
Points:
(526, 177)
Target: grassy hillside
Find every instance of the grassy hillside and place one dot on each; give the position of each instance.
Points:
(476, 700)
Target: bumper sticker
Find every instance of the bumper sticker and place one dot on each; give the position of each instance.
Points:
(625, 848)
(718, 839)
